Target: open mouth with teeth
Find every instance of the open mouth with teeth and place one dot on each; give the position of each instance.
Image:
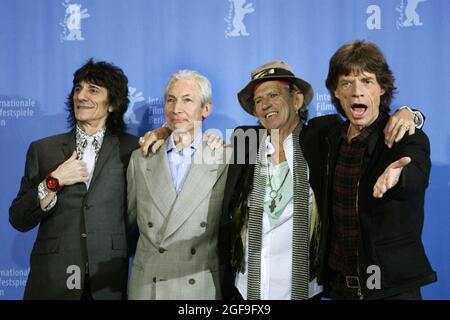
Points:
(358, 110)
(271, 114)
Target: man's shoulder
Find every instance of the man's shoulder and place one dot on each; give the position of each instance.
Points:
(137, 155)
(127, 143)
(418, 138)
(325, 121)
(220, 155)
(52, 140)
(245, 127)
(247, 132)
(323, 125)
(128, 138)
(248, 128)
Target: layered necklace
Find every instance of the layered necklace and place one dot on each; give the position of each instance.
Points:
(278, 196)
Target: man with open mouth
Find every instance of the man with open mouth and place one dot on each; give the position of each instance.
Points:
(376, 193)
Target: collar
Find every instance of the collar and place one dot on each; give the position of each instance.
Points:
(98, 136)
(82, 139)
(189, 149)
(287, 143)
(365, 133)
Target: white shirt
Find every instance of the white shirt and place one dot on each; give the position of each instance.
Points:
(276, 250)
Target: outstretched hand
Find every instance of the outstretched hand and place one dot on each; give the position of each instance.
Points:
(390, 177)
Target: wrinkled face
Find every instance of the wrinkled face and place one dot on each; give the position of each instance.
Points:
(183, 106)
(275, 107)
(91, 104)
(359, 95)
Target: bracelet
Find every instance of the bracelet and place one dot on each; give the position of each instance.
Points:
(42, 191)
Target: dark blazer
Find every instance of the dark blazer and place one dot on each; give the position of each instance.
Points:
(84, 226)
(390, 227)
(311, 136)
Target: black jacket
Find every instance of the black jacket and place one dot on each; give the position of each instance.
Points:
(84, 226)
(390, 227)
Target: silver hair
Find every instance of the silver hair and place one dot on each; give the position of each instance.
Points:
(202, 82)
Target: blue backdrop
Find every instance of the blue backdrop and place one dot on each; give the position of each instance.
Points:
(43, 42)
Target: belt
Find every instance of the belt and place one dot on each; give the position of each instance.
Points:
(350, 281)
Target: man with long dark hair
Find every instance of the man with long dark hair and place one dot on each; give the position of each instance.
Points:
(74, 188)
(376, 194)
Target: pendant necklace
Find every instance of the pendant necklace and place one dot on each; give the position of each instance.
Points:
(274, 193)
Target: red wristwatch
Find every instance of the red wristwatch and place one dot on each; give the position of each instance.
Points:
(52, 183)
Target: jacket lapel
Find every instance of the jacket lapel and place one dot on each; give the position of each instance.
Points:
(236, 169)
(68, 144)
(200, 180)
(159, 181)
(333, 140)
(108, 145)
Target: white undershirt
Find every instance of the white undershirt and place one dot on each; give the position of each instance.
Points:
(276, 251)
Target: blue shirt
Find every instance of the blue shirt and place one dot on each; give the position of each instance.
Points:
(180, 160)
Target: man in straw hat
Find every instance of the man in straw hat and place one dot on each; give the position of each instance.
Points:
(272, 204)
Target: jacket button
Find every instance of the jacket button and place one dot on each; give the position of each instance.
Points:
(203, 224)
(84, 235)
(150, 224)
(191, 281)
(161, 250)
(193, 251)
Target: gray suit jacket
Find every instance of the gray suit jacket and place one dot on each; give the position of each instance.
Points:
(177, 252)
(84, 226)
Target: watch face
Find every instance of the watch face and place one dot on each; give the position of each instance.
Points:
(52, 184)
(416, 119)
